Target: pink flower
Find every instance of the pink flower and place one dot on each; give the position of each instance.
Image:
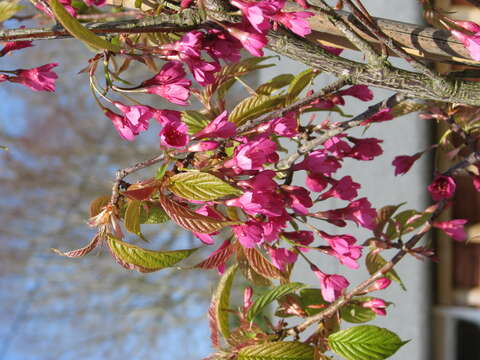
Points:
(295, 21)
(282, 257)
(220, 127)
(202, 71)
(203, 146)
(174, 134)
(380, 284)
(337, 147)
(253, 42)
(382, 115)
(453, 228)
(253, 155)
(257, 13)
(378, 306)
(316, 182)
(220, 45)
(442, 188)
(249, 234)
(302, 237)
(319, 162)
(165, 116)
(298, 198)
(361, 92)
(471, 43)
(285, 126)
(332, 286)
(37, 79)
(344, 189)
(14, 45)
(121, 125)
(365, 149)
(343, 248)
(259, 202)
(359, 211)
(97, 3)
(404, 163)
(136, 116)
(263, 181)
(170, 83)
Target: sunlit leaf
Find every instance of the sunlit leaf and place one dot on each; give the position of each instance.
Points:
(152, 213)
(218, 257)
(221, 302)
(375, 262)
(194, 120)
(365, 342)
(312, 301)
(261, 265)
(136, 258)
(78, 31)
(132, 217)
(200, 186)
(270, 296)
(254, 106)
(280, 350)
(356, 314)
(300, 82)
(275, 83)
(189, 219)
(8, 9)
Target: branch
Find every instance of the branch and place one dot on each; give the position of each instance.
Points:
(123, 173)
(402, 81)
(285, 164)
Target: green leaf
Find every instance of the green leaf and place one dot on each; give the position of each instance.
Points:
(375, 262)
(406, 221)
(132, 217)
(280, 350)
(78, 31)
(276, 83)
(270, 296)
(153, 214)
(161, 172)
(254, 106)
(8, 9)
(136, 258)
(309, 297)
(221, 301)
(357, 314)
(366, 342)
(300, 82)
(195, 121)
(200, 186)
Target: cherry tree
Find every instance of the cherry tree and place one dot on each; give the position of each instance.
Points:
(222, 172)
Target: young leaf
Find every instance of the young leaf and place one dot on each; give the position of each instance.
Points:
(161, 172)
(366, 342)
(153, 214)
(300, 82)
(8, 9)
(383, 215)
(132, 217)
(194, 120)
(254, 106)
(141, 192)
(276, 83)
(218, 257)
(200, 186)
(312, 301)
(280, 350)
(78, 31)
(82, 251)
(375, 262)
(270, 296)
(261, 265)
(357, 314)
(189, 219)
(221, 302)
(97, 205)
(135, 258)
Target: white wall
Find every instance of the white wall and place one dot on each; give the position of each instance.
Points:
(410, 315)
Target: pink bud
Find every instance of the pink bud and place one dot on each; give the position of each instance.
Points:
(380, 284)
(247, 298)
(203, 146)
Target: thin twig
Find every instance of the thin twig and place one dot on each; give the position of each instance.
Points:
(393, 100)
(123, 173)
